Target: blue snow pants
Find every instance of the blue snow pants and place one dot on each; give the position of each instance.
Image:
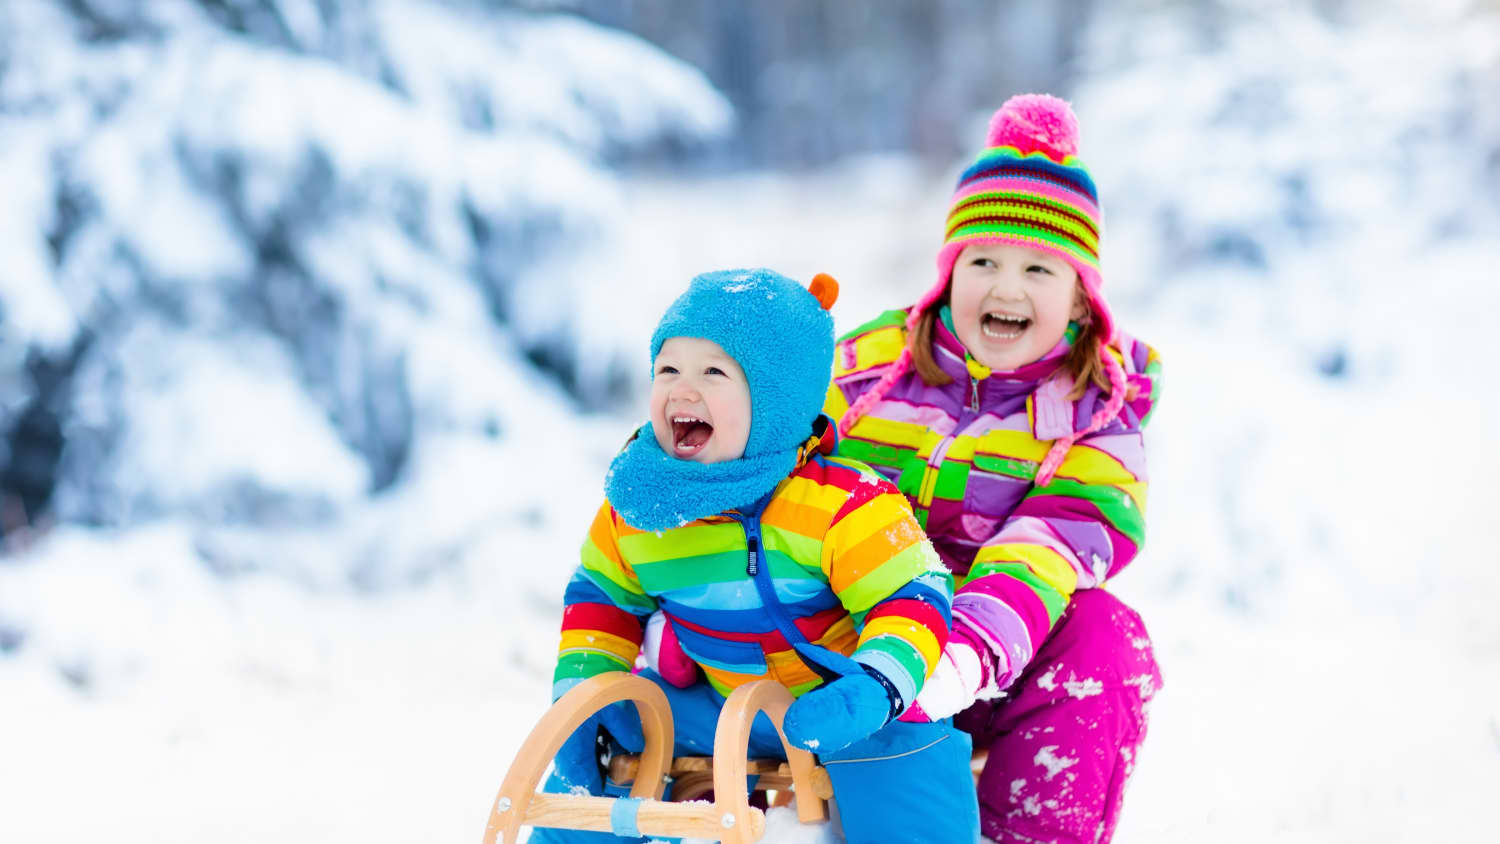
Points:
(907, 782)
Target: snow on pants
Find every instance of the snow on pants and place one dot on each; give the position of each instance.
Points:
(908, 782)
(1064, 740)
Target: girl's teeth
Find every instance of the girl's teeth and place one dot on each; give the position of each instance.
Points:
(1003, 327)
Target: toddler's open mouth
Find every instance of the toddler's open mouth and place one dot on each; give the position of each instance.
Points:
(999, 326)
(689, 435)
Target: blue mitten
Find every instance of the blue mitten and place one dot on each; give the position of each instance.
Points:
(577, 761)
(838, 713)
(623, 722)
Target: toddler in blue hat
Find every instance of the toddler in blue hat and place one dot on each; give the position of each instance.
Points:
(764, 556)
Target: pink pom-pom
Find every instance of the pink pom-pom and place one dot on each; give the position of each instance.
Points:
(1036, 123)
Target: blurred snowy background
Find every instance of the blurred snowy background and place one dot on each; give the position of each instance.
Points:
(320, 320)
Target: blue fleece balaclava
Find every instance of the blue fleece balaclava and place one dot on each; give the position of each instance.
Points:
(781, 334)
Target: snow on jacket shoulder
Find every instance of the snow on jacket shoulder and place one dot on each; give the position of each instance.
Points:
(966, 455)
(841, 549)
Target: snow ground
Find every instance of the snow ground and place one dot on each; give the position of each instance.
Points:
(1330, 676)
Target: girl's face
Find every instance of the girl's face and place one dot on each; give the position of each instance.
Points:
(1012, 304)
(700, 401)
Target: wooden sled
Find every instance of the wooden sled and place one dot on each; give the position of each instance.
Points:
(729, 818)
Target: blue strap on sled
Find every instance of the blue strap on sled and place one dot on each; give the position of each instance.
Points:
(622, 817)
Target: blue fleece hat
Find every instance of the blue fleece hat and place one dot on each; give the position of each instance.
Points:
(781, 335)
(778, 331)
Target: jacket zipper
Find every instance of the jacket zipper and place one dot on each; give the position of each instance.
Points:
(926, 491)
(767, 589)
(751, 525)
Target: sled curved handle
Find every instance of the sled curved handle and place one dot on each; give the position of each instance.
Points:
(731, 749)
(518, 803)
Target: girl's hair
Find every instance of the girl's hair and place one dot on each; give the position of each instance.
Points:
(919, 344)
(1083, 362)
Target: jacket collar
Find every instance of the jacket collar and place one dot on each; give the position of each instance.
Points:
(1048, 408)
(824, 441)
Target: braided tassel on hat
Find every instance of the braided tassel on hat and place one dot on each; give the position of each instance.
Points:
(873, 395)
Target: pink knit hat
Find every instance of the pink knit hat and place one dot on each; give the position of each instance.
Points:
(1026, 189)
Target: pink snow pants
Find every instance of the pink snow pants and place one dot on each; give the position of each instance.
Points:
(1064, 740)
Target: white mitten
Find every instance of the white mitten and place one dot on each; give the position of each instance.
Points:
(967, 671)
(952, 688)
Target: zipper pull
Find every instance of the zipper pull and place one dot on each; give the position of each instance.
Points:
(753, 565)
(974, 394)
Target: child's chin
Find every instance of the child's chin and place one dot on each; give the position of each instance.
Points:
(1006, 359)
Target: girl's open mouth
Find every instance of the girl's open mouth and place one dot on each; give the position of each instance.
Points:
(689, 435)
(997, 326)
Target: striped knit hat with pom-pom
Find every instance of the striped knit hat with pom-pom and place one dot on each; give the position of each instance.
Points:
(1027, 188)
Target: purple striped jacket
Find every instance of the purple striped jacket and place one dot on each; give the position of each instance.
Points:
(966, 453)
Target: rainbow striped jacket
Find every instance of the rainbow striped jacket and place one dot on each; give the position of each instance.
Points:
(966, 453)
(836, 551)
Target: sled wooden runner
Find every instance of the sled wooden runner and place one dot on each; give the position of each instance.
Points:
(730, 818)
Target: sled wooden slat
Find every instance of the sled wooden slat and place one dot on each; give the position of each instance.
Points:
(622, 768)
(688, 771)
(654, 818)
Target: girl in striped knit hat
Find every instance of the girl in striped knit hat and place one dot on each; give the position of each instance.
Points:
(1008, 407)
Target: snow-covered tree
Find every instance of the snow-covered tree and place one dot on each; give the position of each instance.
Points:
(258, 251)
